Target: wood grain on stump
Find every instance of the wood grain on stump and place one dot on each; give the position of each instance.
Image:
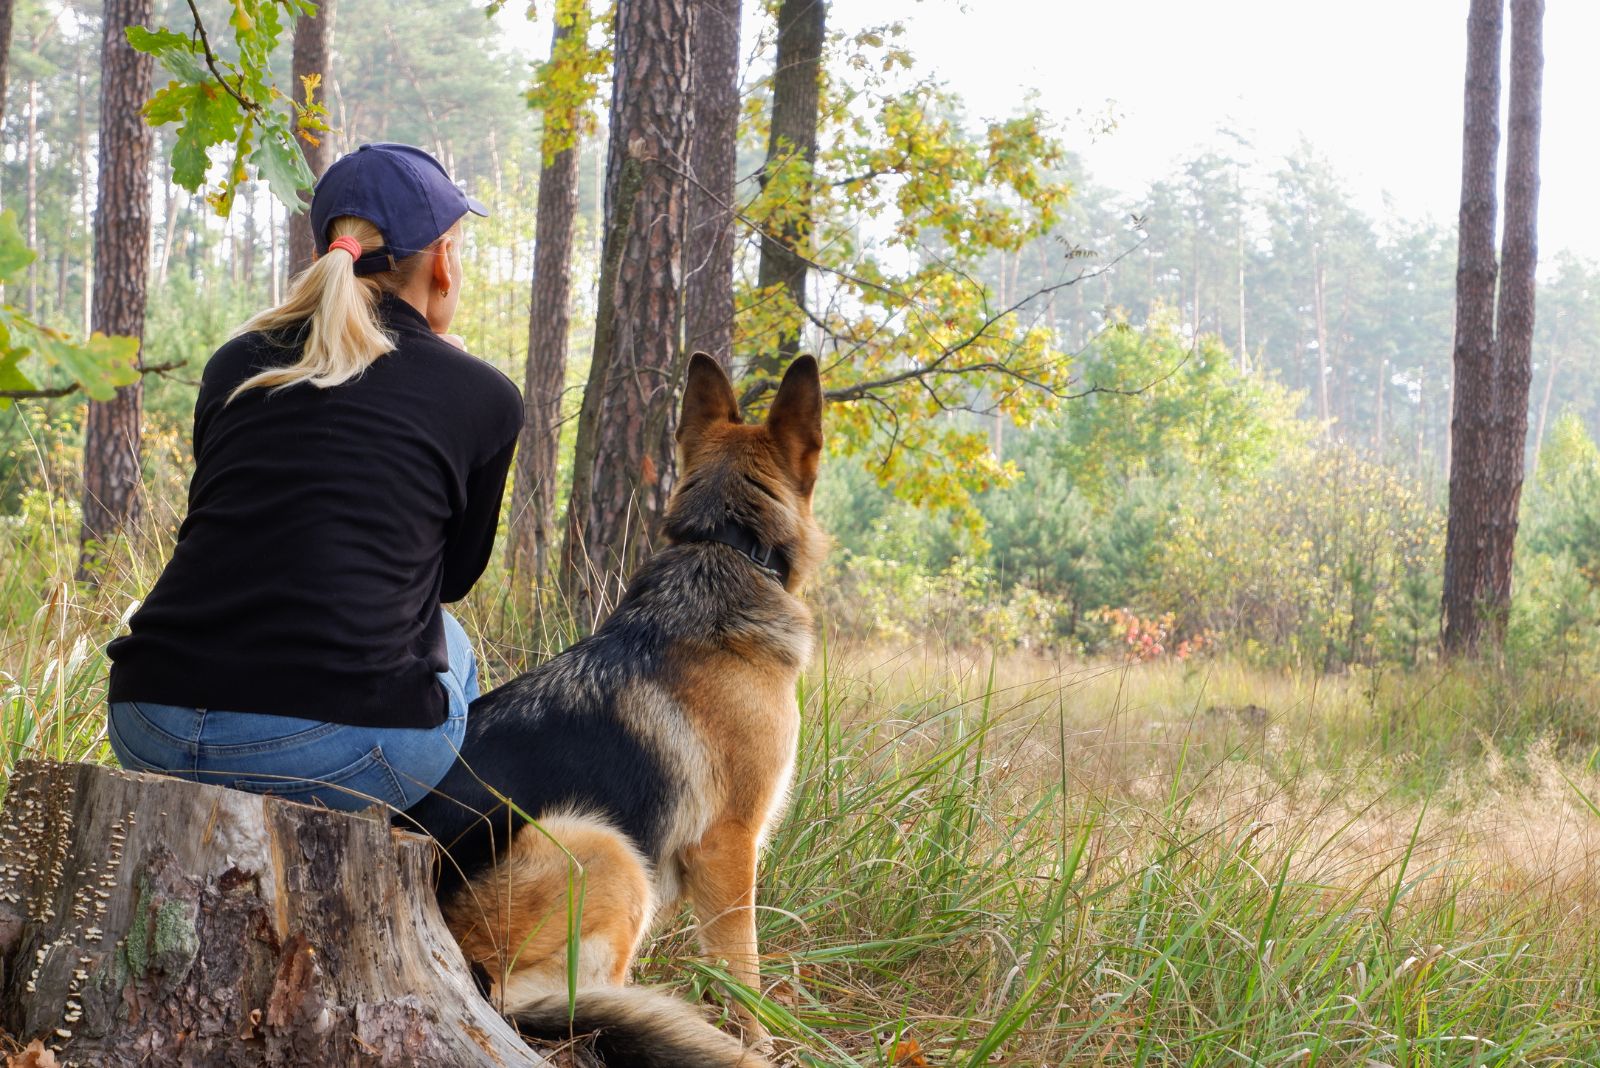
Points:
(151, 921)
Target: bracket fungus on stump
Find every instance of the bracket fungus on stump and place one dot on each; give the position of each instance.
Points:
(151, 921)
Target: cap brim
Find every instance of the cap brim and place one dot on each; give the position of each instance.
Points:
(475, 206)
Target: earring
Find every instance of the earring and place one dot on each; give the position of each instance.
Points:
(445, 292)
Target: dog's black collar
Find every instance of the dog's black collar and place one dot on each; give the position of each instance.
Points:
(736, 535)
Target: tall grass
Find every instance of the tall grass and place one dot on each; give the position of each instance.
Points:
(1010, 869)
(1013, 861)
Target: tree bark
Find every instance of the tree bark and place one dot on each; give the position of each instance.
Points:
(247, 248)
(1377, 433)
(583, 582)
(1319, 291)
(80, 82)
(533, 487)
(1514, 318)
(1465, 560)
(313, 37)
(121, 263)
(792, 146)
(649, 123)
(1544, 404)
(170, 216)
(32, 201)
(1493, 347)
(708, 294)
(150, 921)
(7, 10)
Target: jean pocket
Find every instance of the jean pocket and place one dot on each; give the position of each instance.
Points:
(366, 781)
(168, 726)
(231, 735)
(126, 758)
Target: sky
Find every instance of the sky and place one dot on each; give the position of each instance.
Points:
(1375, 86)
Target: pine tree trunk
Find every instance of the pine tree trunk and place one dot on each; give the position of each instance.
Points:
(1466, 556)
(583, 582)
(276, 279)
(1377, 433)
(81, 81)
(149, 921)
(533, 487)
(708, 294)
(247, 258)
(32, 202)
(1544, 404)
(313, 36)
(632, 467)
(111, 444)
(792, 146)
(1514, 318)
(1320, 311)
(7, 9)
(170, 215)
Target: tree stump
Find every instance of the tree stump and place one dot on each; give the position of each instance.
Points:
(150, 921)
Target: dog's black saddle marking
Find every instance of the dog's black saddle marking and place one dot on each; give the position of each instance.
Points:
(553, 740)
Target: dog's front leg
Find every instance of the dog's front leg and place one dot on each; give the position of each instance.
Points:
(720, 875)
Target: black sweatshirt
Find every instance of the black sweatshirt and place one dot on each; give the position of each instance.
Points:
(325, 527)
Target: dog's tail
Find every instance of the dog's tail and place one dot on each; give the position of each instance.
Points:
(636, 1027)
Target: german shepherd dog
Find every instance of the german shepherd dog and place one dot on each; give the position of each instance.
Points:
(654, 755)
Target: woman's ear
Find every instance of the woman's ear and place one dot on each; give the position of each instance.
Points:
(442, 281)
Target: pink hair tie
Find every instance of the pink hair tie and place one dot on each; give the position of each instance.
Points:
(349, 244)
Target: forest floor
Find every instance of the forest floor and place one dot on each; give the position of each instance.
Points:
(1008, 860)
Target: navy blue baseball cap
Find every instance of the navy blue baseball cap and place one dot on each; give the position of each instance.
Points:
(400, 189)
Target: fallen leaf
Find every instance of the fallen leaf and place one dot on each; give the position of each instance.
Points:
(34, 1056)
(907, 1053)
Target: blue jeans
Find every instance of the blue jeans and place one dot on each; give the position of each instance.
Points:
(332, 764)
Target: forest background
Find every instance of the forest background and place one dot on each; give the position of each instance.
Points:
(1182, 530)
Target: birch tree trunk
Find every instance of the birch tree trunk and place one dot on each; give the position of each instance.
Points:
(150, 921)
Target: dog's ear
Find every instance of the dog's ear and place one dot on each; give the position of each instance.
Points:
(795, 419)
(707, 398)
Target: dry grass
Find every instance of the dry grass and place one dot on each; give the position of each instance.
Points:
(1023, 862)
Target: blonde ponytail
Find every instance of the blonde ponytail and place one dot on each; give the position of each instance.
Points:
(344, 336)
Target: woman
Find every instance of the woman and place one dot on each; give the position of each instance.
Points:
(349, 463)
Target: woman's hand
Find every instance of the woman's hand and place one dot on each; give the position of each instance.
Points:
(455, 339)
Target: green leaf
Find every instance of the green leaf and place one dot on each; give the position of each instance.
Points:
(189, 160)
(11, 376)
(176, 52)
(212, 120)
(100, 364)
(169, 103)
(281, 163)
(15, 255)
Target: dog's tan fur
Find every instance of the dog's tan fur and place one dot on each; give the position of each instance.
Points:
(721, 714)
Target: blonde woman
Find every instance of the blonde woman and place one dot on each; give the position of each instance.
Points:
(349, 464)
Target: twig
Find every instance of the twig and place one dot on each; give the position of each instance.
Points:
(68, 390)
(211, 62)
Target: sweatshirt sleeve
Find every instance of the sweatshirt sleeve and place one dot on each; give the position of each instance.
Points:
(471, 539)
